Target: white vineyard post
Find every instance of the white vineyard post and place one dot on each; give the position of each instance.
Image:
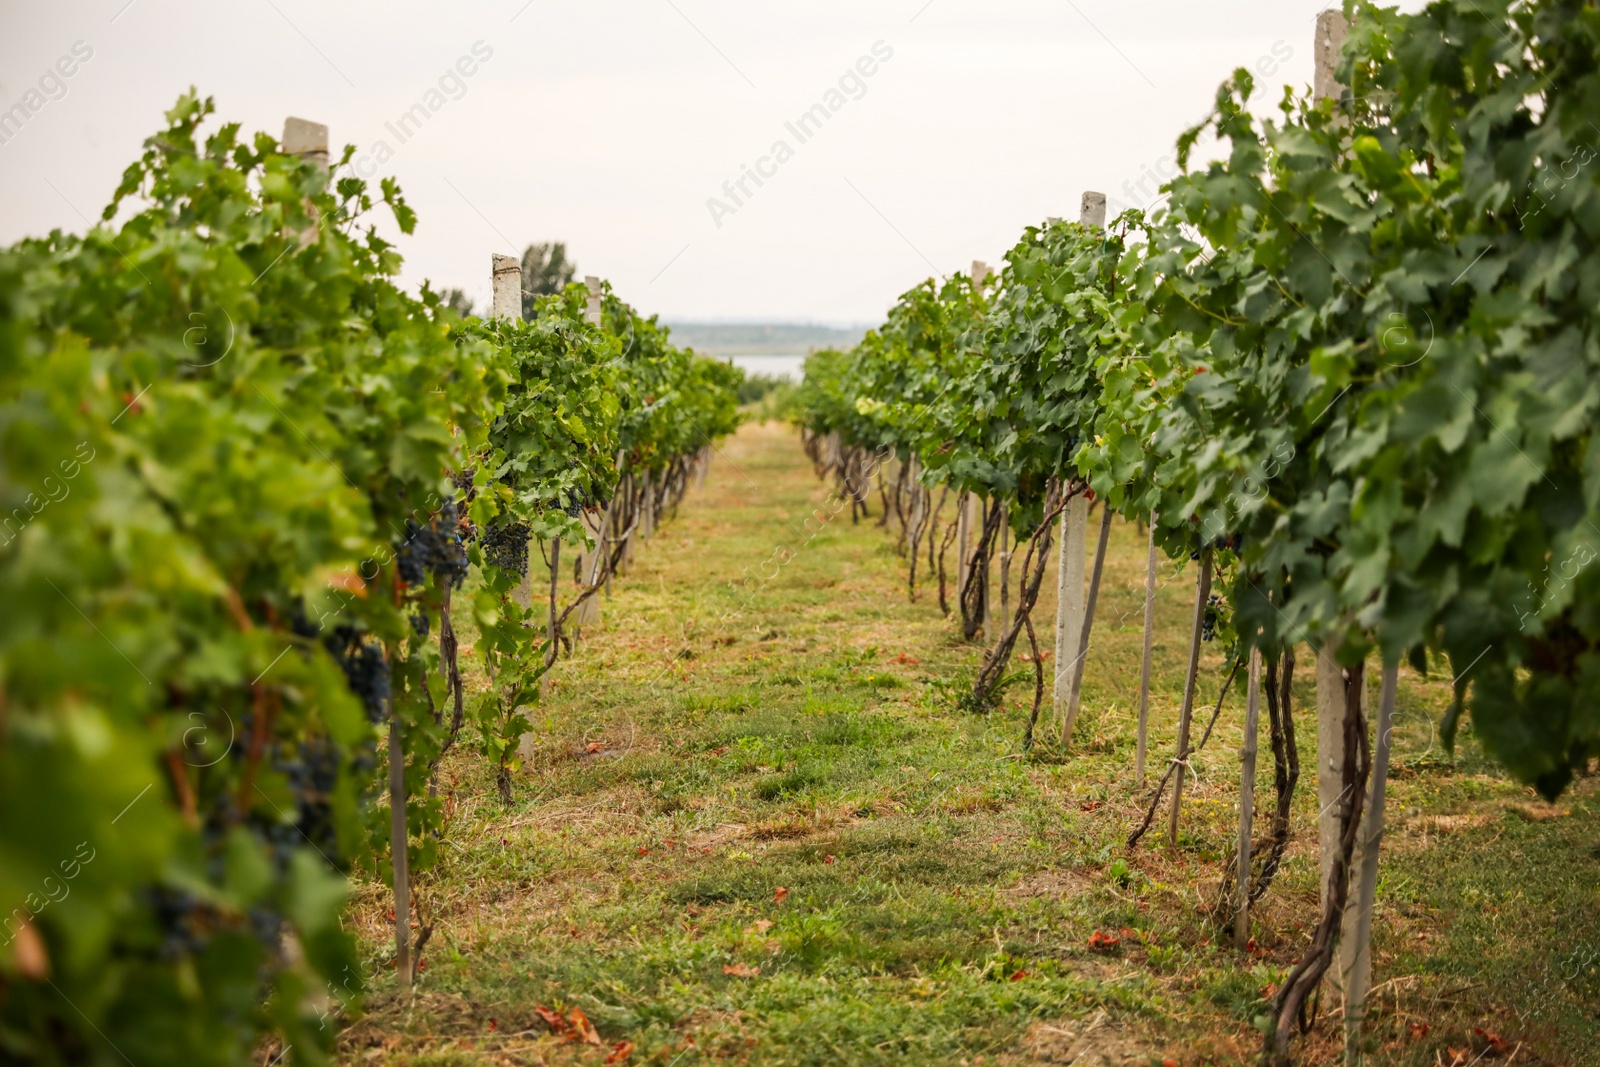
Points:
(593, 519)
(918, 504)
(1202, 594)
(1005, 572)
(1070, 604)
(647, 511)
(309, 141)
(637, 506)
(306, 139)
(1355, 962)
(980, 280)
(1332, 679)
(1144, 666)
(1081, 661)
(1330, 757)
(1092, 210)
(505, 302)
(1069, 599)
(1247, 801)
(1332, 682)
(1332, 28)
(630, 545)
(963, 541)
(980, 274)
(399, 861)
(984, 581)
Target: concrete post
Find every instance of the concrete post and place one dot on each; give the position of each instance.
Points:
(306, 139)
(1070, 603)
(507, 278)
(1144, 665)
(1247, 802)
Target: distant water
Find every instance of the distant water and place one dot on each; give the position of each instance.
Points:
(778, 366)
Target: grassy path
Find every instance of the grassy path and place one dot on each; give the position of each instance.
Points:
(757, 830)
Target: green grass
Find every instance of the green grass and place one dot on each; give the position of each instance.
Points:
(794, 849)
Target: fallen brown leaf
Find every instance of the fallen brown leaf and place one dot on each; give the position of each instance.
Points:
(620, 1052)
(1497, 1044)
(740, 970)
(582, 1028)
(1102, 942)
(780, 895)
(552, 1019)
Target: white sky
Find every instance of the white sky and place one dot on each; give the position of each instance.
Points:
(609, 123)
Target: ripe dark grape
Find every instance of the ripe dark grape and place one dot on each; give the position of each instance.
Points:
(301, 625)
(1233, 542)
(506, 547)
(364, 667)
(1208, 625)
(411, 559)
(433, 547)
(448, 557)
(181, 919)
(312, 768)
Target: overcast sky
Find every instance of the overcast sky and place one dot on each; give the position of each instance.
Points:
(610, 124)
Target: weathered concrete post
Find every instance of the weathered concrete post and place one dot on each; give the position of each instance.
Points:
(1332, 678)
(309, 141)
(306, 139)
(1070, 603)
(1202, 594)
(1143, 745)
(1247, 802)
(594, 520)
(1355, 948)
(980, 507)
(505, 302)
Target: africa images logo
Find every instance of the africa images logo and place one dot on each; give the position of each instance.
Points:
(52, 85)
(852, 85)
